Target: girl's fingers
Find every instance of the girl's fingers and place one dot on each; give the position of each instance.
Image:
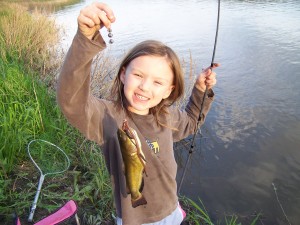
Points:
(209, 69)
(215, 65)
(207, 78)
(104, 20)
(108, 11)
(211, 76)
(86, 21)
(99, 13)
(211, 82)
(91, 14)
(210, 79)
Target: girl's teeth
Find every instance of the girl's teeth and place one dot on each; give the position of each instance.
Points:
(141, 97)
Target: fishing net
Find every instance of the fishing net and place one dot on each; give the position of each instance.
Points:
(49, 159)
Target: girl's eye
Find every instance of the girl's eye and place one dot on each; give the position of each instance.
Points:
(158, 83)
(138, 75)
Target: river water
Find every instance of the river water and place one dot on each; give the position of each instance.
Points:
(248, 159)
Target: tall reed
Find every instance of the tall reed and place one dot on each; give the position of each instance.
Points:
(47, 5)
(28, 38)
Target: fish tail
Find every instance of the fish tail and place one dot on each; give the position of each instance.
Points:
(137, 202)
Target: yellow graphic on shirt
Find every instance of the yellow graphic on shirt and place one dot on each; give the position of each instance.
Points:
(153, 145)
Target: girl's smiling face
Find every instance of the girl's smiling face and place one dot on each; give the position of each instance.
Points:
(147, 81)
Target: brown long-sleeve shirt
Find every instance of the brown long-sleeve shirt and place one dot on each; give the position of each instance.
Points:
(99, 120)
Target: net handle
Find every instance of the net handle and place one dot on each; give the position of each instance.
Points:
(36, 197)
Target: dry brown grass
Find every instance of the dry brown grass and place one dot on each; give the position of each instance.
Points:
(28, 37)
(47, 5)
(105, 68)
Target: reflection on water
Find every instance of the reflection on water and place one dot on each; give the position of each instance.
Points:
(252, 134)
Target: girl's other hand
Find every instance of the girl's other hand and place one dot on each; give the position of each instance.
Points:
(207, 78)
(93, 17)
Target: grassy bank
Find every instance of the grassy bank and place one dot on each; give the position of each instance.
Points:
(28, 110)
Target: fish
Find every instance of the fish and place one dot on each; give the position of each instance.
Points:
(134, 163)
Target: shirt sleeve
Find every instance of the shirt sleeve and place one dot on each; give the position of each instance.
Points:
(81, 109)
(184, 122)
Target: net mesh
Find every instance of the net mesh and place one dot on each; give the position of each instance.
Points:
(47, 157)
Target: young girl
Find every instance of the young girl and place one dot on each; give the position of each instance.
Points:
(148, 82)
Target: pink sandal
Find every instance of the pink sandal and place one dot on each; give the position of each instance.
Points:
(65, 212)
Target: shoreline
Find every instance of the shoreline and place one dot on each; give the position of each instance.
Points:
(47, 5)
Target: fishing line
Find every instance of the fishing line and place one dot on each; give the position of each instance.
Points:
(121, 97)
(41, 152)
(202, 104)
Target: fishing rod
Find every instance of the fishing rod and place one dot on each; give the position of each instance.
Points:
(202, 104)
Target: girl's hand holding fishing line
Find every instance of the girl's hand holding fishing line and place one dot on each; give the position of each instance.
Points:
(93, 17)
(207, 78)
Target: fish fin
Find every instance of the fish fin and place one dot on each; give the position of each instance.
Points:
(142, 186)
(127, 190)
(143, 158)
(129, 134)
(144, 171)
(140, 201)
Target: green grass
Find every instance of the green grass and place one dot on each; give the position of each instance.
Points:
(25, 114)
(19, 116)
(198, 215)
(29, 111)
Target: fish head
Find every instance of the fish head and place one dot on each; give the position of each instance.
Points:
(127, 129)
(122, 136)
(126, 143)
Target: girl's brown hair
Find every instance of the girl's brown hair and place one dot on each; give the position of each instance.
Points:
(151, 48)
